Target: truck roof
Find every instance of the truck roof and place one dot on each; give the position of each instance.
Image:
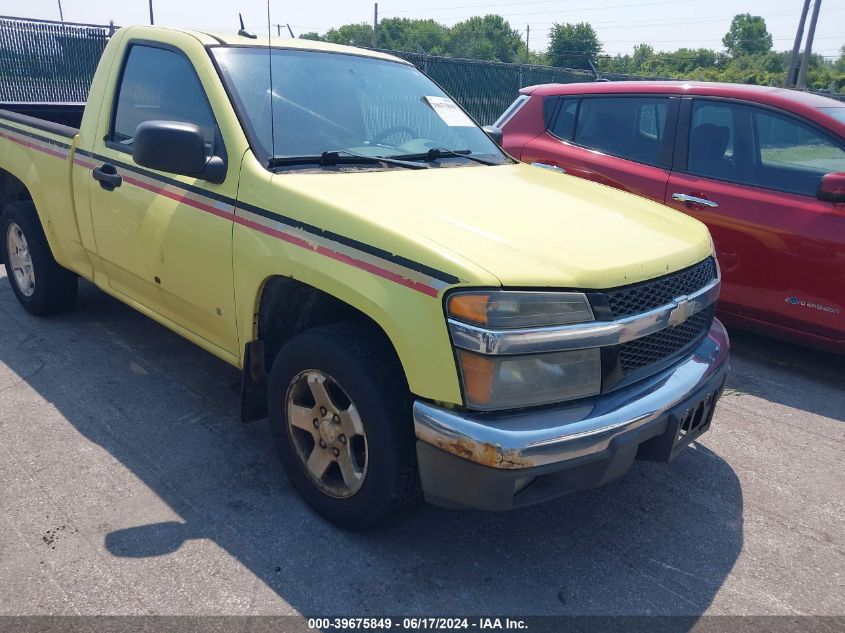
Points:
(213, 38)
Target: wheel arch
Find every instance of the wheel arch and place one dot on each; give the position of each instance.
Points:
(413, 324)
(12, 189)
(286, 306)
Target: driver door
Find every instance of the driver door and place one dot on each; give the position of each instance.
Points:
(164, 240)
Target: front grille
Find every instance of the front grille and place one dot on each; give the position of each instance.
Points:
(665, 344)
(642, 297)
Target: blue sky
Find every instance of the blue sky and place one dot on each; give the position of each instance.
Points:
(666, 24)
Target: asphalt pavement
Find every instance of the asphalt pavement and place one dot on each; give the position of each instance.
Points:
(129, 486)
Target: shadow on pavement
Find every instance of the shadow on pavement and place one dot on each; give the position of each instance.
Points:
(660, 540)
(788, 374)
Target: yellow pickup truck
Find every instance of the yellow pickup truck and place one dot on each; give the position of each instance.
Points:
(414, 311)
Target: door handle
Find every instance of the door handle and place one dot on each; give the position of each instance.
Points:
(550, 167)
(107, 176)
(687, 199)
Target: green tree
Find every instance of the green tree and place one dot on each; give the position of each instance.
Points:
(351, 35)
(747, 36)
(490, 37)
(643, 54)
(402, 34)
(573, 45)
(311, 35)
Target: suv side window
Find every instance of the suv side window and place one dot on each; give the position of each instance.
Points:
(793, 156)
(627, 127)
(563, 126)
(711, 139)
(159, 85)
(758, 147)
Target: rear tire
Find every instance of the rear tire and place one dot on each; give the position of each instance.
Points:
(339, 388)
(40, 284)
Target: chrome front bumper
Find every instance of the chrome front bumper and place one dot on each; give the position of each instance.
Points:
(492, 460)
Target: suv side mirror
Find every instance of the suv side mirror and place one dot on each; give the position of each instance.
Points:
(176, 147)
(832, 187)
(495, 134)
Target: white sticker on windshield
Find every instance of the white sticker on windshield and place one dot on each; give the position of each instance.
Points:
(449, 111)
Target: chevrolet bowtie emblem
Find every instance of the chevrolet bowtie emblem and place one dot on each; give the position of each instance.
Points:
(681, 312)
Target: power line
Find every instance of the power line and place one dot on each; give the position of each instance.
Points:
(575, 10)
(498, 4)
(603, 25)
(686, 39)
(628, 23)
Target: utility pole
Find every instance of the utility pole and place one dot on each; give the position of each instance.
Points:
(808, 48)
(151, 13)
(789, 79)
(279, 30)
(375, 26)
(61, 13)
(528, 41)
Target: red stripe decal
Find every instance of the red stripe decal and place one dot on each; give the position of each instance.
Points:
(287, 237)
(178, 197)
(38, 148)
(341, 257)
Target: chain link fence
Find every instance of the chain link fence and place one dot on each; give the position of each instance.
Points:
(44, 61)
(485, 89)
(48, 61)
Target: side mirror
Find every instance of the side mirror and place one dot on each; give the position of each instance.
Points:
(494, 133)
(832, 187)
(175, 147)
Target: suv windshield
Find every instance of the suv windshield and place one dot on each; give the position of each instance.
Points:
(836, 113)
(335, 102)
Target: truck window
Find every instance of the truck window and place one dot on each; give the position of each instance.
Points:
(159, 85)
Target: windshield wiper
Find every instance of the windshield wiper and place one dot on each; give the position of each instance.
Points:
(340, 157)
(438, 152)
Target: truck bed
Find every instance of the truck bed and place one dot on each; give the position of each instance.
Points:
(59, 118)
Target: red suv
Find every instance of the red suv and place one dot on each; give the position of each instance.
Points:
(763, 168)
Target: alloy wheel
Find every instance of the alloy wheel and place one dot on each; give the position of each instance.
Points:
(326, 433)
(20, 260)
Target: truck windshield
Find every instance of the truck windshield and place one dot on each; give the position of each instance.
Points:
(333, 102)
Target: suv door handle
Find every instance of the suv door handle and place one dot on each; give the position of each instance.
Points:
(687, 199)
(107, 176)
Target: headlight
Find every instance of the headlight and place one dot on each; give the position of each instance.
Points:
(510, 309)
(505, 382)
(509, 381)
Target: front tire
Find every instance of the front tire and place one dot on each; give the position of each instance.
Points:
(40, 284)
(341, 420)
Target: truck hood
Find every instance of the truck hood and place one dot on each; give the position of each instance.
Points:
(524, 225)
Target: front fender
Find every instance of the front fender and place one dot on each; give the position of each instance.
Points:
(412, 320)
